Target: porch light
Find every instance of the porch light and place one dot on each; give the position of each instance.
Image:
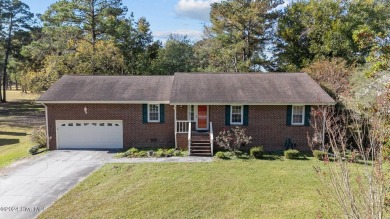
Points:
(85, 110)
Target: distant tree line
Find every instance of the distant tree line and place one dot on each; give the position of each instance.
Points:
(101, 37)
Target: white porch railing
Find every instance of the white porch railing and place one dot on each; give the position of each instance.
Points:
(189, 138)
(182, 126)
(211, 139)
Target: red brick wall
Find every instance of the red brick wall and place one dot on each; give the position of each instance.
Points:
(182, 141)
(135, 133)
(267, 126)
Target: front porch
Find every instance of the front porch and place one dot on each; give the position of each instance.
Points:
(193, 130)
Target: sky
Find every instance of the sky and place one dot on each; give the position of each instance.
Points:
(185, 17)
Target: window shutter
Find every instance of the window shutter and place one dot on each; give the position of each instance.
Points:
(289, 115)
(227, 115)
(144, 113)
(307, 115)
(246, 115)
(162, 113)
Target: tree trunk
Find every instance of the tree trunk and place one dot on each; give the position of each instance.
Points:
(16, 84)
(93, 29)
(7, 51)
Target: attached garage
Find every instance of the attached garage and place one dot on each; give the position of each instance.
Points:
(89, 134)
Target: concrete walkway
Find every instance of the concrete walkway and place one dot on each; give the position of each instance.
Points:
(162, 160)
(29, 188)
(32, 186)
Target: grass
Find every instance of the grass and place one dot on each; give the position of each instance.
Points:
(221, 189)
(18, 118)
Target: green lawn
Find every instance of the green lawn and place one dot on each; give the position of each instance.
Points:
(18, 117)
(222, 189)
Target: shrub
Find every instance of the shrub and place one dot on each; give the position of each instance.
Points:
(33, 150)
(256, 152)
(178, 153)
(141, 154)
(230, 154)
(38, 136)
(133, 150)
(233, 139)
(291, 154)
(170, 152)
(220, 155)
(160, 153)
(320, 155)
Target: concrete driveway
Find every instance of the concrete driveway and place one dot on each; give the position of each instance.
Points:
(30, 188)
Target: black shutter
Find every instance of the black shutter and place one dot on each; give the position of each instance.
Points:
(144, 113)
(227, 115)
(307, 115)
(289, 115)
(246, 115)
(162, 113)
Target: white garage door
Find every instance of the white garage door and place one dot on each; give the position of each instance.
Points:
(96, 134)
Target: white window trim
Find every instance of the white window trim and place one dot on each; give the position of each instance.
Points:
(189, 113)
(292, 115)
(158, 107)
(242, 115)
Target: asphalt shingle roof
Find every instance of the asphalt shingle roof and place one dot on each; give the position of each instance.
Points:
(191, 88)
(247, 88)
(109, 88)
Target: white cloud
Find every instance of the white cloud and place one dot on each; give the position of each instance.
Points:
(195, 9)
(191, 34)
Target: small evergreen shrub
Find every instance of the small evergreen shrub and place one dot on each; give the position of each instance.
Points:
(178, 153)
(291, 154)
(320, 155)
(230, 155)
(220, 155)
(141, 154)
(160, 153)
(257, 152)
(33, 150)
(170, 152)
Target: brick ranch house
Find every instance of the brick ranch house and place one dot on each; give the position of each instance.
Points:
(186, 110)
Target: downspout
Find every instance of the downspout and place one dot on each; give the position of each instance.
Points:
(174, 109)
(323, 130)
(47, 127)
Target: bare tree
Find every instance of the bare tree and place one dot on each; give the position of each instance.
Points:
(354, 172)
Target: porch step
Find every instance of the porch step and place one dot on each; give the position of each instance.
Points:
(201, 154)
(200, 138)
(200, 144)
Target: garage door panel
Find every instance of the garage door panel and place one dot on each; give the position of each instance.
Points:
(90, 134)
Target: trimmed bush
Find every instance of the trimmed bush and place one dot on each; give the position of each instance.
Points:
(170, 152)
(220, 155)
(320, 155)
(33, 150)
(291, 154)
(230, 155)
(257, 152)
(141, 154)
(160, 153)
(178, 153)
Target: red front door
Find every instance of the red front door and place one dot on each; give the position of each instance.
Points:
(202, 118)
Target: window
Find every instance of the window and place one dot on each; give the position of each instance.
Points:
(153, 113)
(236, 115)
(191, 113)
(298, 113)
